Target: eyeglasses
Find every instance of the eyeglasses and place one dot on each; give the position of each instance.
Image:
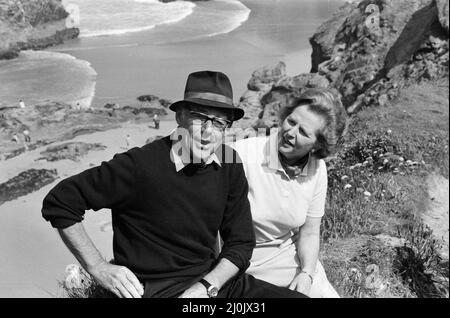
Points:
(217, 122)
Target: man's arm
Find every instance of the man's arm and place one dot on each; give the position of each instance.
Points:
(110, 185)
(237, 234)
(117, 279)
(224, 271)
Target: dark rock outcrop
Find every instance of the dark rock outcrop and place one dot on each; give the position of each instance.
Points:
(32, 24)
(69, 150)
(26, 182)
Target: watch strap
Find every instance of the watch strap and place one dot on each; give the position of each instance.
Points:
(205, 283)
(209, 288)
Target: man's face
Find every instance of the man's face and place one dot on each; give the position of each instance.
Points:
(206, 127)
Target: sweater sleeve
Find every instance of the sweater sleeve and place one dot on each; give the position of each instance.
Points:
(110, 185)
(237, 228)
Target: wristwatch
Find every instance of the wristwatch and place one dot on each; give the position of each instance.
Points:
(211, 290)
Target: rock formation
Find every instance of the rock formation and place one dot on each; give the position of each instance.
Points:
(32, 24)
(53, 122)
(366, 51)
(26, 182)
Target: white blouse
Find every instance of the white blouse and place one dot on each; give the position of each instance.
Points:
(280, 205)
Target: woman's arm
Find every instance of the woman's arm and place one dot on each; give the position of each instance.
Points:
(309, 234)
(308, 245)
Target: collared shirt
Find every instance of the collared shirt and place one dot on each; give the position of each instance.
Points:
(280, 205)
(272, 160)
(180, 161)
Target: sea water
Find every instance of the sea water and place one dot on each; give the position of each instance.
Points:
(115, 17)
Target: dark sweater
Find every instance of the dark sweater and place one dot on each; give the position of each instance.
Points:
(165, 222)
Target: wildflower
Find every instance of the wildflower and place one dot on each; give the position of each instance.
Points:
(72, 269)
(347, 186)
(401, 159)
(344, 178)
(367, 193)
(389, 131)
(373, 280)
(73, 277)
(385, 161)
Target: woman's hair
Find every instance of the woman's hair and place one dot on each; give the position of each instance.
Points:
(328, 105)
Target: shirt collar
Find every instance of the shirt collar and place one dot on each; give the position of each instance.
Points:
(180, 163)
(272, 161)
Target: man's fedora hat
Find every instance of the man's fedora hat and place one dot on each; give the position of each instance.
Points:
(212, 89)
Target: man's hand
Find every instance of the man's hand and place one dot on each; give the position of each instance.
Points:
(195, 291)
(301, 283)
(117, 279)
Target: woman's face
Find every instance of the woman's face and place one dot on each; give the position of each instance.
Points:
(298, 133)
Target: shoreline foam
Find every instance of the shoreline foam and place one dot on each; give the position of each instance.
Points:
(105, 18)
(202, 11)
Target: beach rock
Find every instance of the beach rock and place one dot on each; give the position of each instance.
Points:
(26, 182)
(52, 122)
(32, 24)
(70, 150)
(302, 81)
(152, 99)
(368, 46)
(270, 89)
(262, 79)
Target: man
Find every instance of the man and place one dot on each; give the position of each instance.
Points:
(169, 199)
(156, 121)
(27, 136)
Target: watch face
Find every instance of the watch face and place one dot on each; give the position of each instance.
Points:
(213, 291)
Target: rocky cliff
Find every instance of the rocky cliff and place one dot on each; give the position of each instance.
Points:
(367, 51)
(370, 49)
(32, 24)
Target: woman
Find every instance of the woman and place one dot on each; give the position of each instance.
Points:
(287, 179)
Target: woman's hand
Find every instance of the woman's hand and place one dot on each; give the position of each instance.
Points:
(301, 283)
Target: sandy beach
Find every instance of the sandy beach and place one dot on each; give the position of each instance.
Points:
(127, 66)
(36, 256)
